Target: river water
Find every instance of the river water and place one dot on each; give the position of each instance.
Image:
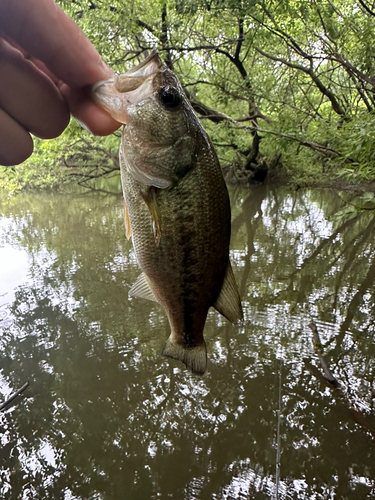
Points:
(107, 417)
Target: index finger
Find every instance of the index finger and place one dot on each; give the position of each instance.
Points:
(41, 27)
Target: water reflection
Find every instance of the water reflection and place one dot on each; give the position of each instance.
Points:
(107, 417)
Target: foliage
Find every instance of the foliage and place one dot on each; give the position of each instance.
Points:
(298, 75)
(353, 207)
(75, 155)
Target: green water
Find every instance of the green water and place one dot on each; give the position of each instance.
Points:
(107, 417)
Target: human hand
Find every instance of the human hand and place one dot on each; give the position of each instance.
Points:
(45, 64)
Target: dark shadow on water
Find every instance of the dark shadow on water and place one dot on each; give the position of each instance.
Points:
(106, 416)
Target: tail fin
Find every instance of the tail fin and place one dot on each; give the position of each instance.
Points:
(195, 358)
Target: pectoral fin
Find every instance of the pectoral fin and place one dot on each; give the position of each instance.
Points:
(229, 303)
(150, 198)
(142, 289)
(128, 229)
(194, 358)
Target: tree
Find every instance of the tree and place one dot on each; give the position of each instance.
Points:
(286, 87)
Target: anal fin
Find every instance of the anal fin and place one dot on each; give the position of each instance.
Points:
(142, 289)
(194, 358)
(229, 303)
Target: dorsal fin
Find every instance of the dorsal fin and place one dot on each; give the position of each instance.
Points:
(142, 289)
(229, 303)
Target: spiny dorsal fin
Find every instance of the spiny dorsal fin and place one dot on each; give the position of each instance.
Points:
(128, 229)
(195, 358)
(142, 289)
(229, 303)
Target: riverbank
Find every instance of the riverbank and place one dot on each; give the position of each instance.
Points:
(298, 180)
(48, 176)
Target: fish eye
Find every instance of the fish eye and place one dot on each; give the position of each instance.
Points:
(170, 97)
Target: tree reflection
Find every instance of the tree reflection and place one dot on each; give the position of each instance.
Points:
(106, 416)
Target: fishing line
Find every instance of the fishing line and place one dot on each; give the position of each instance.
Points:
(278, 436)
(280, 359)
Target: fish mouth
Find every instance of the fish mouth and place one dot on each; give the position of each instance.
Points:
(150, 65)
(119, 92)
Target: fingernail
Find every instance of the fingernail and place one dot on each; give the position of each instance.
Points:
(83, 125)
(108, 71)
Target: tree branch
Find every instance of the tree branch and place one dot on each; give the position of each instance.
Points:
(11, 398)
(312, 145)
(309, 71)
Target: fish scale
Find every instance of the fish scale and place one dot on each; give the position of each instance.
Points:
(176, 204)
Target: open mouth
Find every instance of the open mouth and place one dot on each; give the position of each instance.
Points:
(118, 93)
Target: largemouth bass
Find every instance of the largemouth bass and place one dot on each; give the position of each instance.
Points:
(176, 205)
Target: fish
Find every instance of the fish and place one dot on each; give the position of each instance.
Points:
(176, 205)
